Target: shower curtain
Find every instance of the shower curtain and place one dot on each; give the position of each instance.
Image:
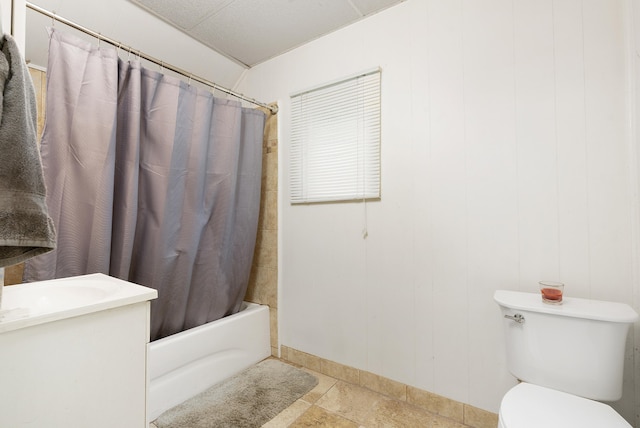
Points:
(149, 180)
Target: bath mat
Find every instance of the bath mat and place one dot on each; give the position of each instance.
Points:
(249, 399)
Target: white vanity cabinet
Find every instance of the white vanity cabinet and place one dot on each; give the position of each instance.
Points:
(73, 353)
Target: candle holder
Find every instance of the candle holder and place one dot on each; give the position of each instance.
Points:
(551, 292)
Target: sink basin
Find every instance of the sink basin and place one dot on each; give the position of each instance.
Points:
(66, 297)
(56, 296)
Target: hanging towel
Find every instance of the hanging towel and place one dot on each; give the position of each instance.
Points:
(26, 230)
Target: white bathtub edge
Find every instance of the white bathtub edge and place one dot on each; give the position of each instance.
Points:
(185, 364)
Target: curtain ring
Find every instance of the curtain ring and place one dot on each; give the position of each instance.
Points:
(129, 57)
(161, 65)
(53, 18)
(190, 76)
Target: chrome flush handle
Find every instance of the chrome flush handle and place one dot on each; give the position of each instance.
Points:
(517, 318)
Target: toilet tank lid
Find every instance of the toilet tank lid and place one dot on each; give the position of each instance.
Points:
(570, 307)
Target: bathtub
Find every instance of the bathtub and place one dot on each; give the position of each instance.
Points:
(185, 364)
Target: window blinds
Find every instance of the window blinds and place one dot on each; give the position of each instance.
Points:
(335, 141)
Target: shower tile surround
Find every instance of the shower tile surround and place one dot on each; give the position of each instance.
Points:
(263, 282)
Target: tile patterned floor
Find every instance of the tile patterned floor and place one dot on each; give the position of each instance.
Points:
(338, 404)
(335, 403)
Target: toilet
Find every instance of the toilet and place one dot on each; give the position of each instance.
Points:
(569, 358)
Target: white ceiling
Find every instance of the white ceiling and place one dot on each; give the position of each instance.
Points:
(252, 31)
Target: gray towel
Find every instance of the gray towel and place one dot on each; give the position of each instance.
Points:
(26, 230)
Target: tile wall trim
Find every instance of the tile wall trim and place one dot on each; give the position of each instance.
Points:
(452, 409)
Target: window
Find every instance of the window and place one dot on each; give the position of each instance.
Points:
(335, 141)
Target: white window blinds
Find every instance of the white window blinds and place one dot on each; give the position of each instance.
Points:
(335, 141)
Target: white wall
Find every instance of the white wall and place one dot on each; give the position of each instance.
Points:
(505, 161)
(5, 15)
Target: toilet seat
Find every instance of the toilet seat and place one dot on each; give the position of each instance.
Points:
(533, 406)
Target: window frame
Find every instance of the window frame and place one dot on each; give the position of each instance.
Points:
(335, 151)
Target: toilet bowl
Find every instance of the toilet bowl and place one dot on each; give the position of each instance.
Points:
(569, 358)
(533, 406)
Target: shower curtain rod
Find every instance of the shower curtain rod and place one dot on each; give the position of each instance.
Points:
(162, 64)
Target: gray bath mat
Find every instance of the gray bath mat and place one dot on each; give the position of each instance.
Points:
(249, 399)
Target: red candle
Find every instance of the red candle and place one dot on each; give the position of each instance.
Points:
(552, 294)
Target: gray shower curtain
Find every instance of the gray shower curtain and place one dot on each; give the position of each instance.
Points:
(149, 180)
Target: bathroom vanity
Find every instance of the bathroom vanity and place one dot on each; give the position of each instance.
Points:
(73, 353)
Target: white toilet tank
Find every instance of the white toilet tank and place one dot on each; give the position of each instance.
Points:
(577, 347)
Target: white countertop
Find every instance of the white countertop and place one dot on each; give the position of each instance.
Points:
(34, 303)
